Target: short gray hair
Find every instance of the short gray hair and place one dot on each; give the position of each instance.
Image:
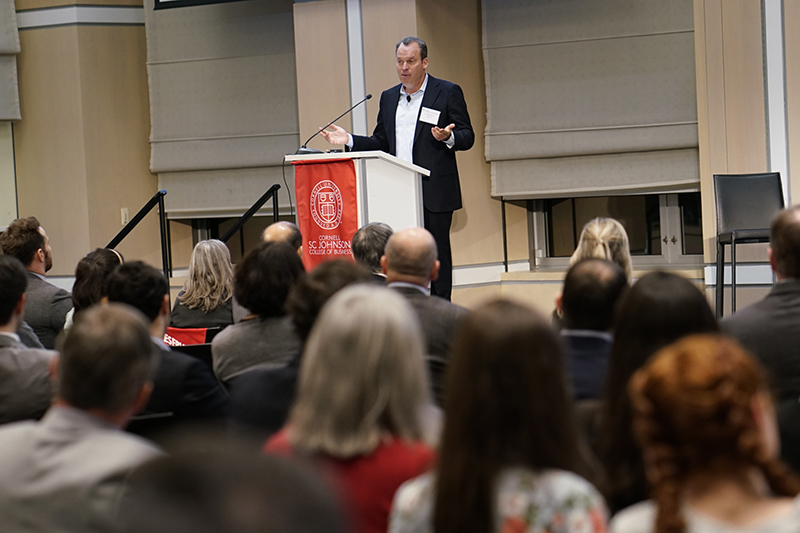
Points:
(363, 375)
(406, 41)
(369, 243)
(106, 358)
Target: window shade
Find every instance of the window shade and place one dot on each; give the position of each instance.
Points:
(590, 97)
(9, 48)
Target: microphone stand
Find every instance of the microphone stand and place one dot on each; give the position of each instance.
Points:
(304, 150)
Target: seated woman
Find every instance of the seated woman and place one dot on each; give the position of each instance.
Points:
(360, 398)
(206, 298)
(90, 280)
(658, 310)
(509, 450)
(705, 421)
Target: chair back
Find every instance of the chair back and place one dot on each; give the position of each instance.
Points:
(747, 201)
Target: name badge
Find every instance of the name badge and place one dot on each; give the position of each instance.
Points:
(430, 116)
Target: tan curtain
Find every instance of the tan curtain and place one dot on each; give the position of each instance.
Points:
(9, 48)
(590, 97)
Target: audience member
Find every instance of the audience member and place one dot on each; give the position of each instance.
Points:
(361, 393)
(368, 246)
(658, 309)
(287, 232)
(265, 338)
(25, 388)
(182, 385)
(206, 298)
(410, 265)
(769, 328)
(67, 472)
(706, 424)
(46, 306)
(591, 291)
(509, 448)
(90, 280)
(261, 398)
(604, 238)
(227, 491)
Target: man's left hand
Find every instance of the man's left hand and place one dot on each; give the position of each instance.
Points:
(442, 134)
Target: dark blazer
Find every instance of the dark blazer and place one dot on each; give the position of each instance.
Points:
(587, 362)
(25, 387)
(771, 330)
(46, 309)
(185, 387)
(441, 191)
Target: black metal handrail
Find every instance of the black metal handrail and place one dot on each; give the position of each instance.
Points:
(166, 253)
(271, 193)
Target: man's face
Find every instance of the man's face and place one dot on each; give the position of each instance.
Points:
(410, 68)
(48, 252)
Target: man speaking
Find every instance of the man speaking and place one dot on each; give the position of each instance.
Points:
(423, 120)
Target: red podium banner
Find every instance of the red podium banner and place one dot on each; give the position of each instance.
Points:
(327, 208)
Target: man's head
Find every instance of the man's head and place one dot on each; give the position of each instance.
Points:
(412, 61)
(411, 257)
(591, 291)
(13, 282)
(284, 232)
(784, 251)
(369, 244)
(141, 286)
(262, 279)
(106, 362)
(26, 240)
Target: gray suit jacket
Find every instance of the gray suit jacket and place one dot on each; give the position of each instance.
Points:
(25, 387)
(771, 330)
(45, 309)
(66, 473)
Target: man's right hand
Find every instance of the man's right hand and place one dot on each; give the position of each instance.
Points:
(337, 136)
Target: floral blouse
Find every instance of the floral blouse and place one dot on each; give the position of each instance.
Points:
(551, 501)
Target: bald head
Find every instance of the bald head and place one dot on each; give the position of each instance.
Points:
(283, 231)
(411, 256)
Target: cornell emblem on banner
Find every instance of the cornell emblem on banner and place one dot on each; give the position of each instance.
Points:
(326, 205)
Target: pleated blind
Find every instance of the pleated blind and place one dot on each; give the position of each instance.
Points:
(9, 48)
(590, 97)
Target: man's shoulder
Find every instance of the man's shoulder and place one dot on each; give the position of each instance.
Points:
(43, 288)
(17, 356)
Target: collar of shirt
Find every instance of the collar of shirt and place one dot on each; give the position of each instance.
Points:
(420, 92)
(403, 284)
(588, 333)
(12, 335)
(40, 276)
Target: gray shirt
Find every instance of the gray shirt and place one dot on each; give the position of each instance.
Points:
(255, 343)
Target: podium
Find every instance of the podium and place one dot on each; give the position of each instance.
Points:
(387, 189)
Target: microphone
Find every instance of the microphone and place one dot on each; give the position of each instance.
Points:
(304, 150)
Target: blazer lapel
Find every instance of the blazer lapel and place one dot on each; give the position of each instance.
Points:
(432, 92)
(389, 119)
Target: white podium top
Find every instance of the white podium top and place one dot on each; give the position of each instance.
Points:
(372, 154)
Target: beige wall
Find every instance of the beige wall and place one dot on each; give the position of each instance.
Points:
(82, 149)
(8, 187)
(791, 24)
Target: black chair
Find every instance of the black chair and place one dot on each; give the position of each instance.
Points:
(746, 204)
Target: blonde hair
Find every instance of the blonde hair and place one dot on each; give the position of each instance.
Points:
(363, 377)
(210, 281)
(604, 238)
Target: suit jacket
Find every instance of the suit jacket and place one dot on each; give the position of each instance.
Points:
(439, 320)
(770, 329)
(441, 191)
(65, 473)
(46, 309)
(25, 387)
(185, 387)
(587, 362)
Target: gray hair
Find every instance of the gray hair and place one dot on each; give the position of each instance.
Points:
(406, 41)
(210, 281)
(604, 238)
(363, 376)
(369, 243)
(106, 358)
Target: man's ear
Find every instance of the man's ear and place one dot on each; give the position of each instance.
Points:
(52, 368)
(771, 255)
(142, 397)
(40, 255)
(384, 264)
(435, 270)
(20, 307)
(560, 301)
(165, 305)
(300, 251)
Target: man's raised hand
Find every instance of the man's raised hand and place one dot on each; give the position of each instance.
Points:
(337, 136)
(442, 134)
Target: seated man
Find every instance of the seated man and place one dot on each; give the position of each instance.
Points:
(369, 245)
(591, 291)
(67, 472)
(46, 306)
(25, 388)
(182, 385)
